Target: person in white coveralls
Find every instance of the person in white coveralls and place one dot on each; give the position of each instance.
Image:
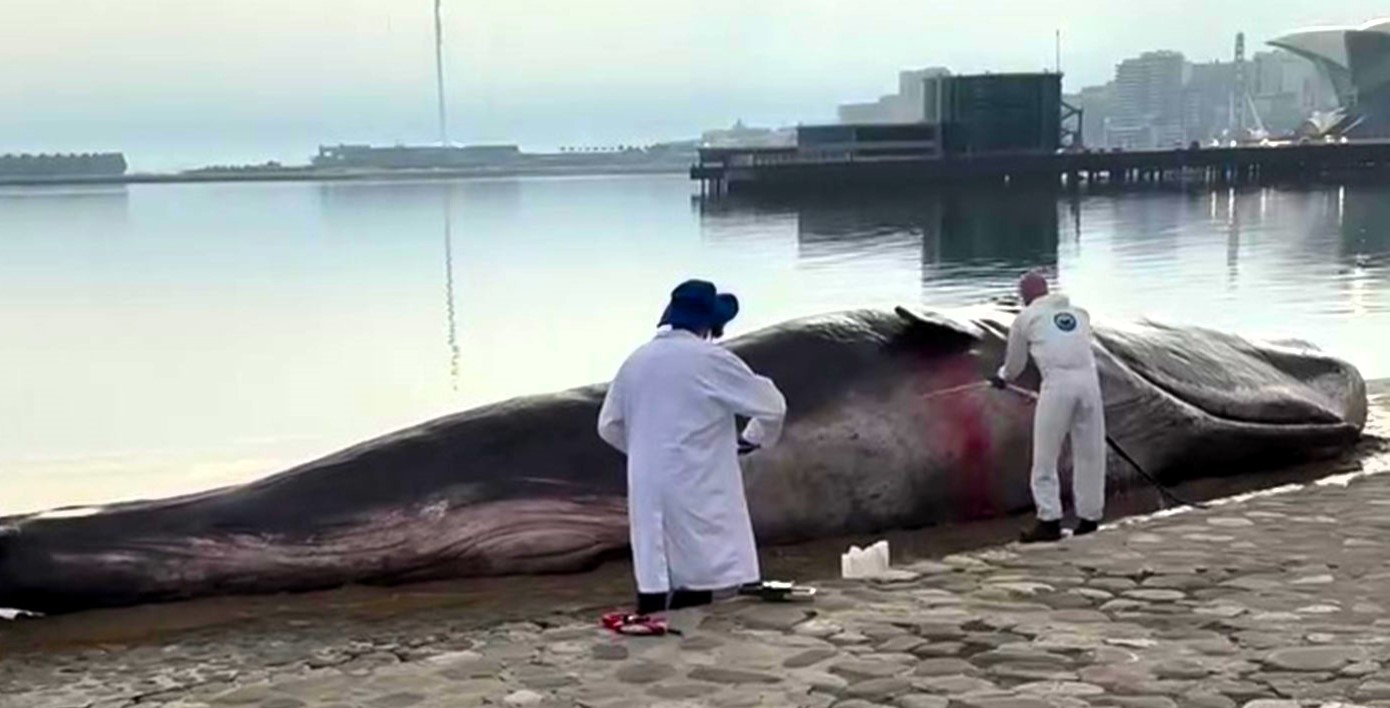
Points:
(671, 409)
(1057, 335)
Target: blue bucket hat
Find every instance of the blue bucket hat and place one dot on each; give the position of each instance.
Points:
(697, 305)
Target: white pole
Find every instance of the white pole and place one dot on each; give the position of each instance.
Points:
(439, 72)
(1059, 51)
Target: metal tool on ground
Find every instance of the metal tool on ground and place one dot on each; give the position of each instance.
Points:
(778, 591)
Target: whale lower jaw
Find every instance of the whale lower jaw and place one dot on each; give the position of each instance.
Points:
(430, 541)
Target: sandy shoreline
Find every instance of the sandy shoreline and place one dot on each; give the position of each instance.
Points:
(532, 641)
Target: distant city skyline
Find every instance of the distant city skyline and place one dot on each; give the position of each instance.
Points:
(177, 84)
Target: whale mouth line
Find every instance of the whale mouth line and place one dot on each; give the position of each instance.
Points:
(68, 512)
(1181, 397)
(1122, 361)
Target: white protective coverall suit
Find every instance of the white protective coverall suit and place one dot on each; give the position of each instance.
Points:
(1058, 336)
(671, 408)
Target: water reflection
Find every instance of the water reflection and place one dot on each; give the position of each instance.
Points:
(1074, 210)
(962, 243)
(413, 209)
(164, 339)
(449, 289)
(405, 203)
(96, 204)
(1232, 238)
(1265, 262)
(1363, 215)
(43, 222)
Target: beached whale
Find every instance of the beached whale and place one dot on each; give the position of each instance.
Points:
(887, 429)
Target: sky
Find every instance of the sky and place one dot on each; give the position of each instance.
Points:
(177, 84)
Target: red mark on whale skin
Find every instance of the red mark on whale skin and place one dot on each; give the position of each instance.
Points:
(976, 458)
(958, 428)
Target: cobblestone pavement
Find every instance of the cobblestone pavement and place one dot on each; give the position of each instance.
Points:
(1274, 600)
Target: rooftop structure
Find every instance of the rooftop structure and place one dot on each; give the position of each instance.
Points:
(1356, 60)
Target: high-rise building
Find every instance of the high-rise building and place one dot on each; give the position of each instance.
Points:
(912, 103)
(1159, 100)
(1147, 110)
(1286, 89)
(1096, 104)
(1208, 101)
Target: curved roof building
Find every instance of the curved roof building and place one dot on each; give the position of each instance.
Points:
(1357, 62)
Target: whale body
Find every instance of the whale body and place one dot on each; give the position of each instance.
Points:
(887, 428)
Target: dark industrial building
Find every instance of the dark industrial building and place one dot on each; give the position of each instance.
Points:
(964, 120)
(965, 115)
(871, 140)
(992, 113)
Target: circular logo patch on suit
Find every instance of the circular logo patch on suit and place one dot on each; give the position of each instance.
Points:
(1065, 321)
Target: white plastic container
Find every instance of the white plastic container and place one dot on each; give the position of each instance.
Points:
(849, 562)
(865, 562)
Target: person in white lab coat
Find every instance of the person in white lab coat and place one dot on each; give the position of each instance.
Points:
(672, 409)
(1058, 336)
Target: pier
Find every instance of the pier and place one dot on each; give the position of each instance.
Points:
(725, 170)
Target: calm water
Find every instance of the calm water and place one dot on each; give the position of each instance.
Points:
(163, 339)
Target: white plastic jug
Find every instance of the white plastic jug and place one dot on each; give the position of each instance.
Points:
(865, 562)
(850, 562)
(880, 555)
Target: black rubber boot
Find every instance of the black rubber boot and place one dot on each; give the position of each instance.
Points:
(681, 599)
(1043, 532)
(1085, 526)
(651, 603)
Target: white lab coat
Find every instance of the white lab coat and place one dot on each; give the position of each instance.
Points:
(1058, 336)
(671, 408)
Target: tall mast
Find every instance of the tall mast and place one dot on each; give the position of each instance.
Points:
(439, 72)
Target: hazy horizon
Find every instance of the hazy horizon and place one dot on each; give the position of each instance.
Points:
(176, 84)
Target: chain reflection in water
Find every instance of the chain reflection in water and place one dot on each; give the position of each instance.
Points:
(449, 288)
